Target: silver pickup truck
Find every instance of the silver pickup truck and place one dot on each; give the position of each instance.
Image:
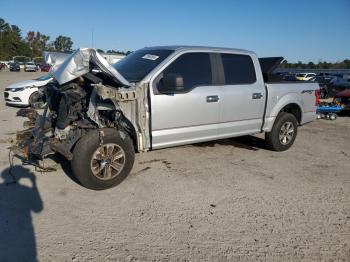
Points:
(99, 115)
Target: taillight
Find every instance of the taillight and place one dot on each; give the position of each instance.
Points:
(317, 96)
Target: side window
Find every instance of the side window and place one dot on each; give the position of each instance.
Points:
(194, 68)
(239, 69)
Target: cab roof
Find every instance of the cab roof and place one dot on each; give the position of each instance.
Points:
(200, 48)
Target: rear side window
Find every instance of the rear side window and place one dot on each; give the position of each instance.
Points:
(239, 69)
(195, 69)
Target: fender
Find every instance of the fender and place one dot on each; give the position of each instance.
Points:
(274, 107)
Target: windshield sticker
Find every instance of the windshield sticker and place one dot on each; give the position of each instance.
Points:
(150, 57)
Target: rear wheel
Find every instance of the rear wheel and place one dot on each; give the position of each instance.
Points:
(100, 162)
(283, 133)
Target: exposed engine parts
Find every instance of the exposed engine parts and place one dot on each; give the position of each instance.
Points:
(93, 96)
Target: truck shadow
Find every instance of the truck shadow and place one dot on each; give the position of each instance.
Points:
(17, 202)
(246, 142)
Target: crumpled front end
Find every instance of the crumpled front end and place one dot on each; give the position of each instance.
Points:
(33, 143)
(88, 93)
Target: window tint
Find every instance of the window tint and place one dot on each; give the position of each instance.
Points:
(239, 69)
(194, 68)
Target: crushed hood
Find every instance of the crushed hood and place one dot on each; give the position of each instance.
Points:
(78, 64)
(54, 59)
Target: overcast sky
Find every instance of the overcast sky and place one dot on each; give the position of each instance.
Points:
(309, 30)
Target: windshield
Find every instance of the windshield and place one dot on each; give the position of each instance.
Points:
(138, 64)
(44, 77)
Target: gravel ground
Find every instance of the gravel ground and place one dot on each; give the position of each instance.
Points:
(226, 200)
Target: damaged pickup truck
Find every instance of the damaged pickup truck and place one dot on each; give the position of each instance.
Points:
(98, 115)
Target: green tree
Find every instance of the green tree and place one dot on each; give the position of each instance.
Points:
(63, 44)
(311, 65)
(38, 42)
(11, 42)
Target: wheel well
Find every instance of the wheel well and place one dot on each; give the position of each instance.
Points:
(293, 109)
(129, 128)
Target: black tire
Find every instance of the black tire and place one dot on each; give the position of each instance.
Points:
(87, 147)
(272, 138)
(34, 101)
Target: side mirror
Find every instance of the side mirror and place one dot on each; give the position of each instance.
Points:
(171, 83)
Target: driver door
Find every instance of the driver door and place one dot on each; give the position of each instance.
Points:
(189, 114)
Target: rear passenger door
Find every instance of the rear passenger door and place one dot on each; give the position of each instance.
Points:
(243, 100)
(191, 115)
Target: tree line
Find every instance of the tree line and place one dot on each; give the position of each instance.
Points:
(114, 52)
(345, 64)
(13, 44)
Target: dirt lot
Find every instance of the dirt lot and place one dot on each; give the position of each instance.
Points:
(225, 200)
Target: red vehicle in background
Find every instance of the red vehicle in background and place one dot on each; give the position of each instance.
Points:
(343, 99)
(45, 68)
(2, 65)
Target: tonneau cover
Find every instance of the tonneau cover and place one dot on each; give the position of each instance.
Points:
(268, 64)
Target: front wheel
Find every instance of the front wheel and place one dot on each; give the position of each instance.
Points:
(103, 159)
(283, 133)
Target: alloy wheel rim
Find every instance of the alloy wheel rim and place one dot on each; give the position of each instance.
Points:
(286, 133)
(107, 161)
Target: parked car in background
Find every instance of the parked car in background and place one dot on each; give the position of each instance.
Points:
(323, 82)
(337, 84)
(27, 93)
(342, 98)
(29, 67)
(14, 67)
(45, 68)
(290, 78)
(305, 76)
(2, 66)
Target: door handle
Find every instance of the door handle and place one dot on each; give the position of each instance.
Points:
(257, 95)
(212, 99)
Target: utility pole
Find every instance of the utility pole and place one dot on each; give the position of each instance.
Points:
(92, 38)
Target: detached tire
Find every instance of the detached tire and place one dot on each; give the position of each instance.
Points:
(283, 133)
(103, 165)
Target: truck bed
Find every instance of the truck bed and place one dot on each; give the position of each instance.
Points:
(280, 94)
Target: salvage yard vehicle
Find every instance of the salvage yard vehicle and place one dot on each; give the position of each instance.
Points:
(14, 67)
(29, 67)
(305, 76)
(2, 66)
(27, 93)
(99, 115)
(343, 99)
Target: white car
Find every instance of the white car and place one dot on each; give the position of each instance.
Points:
(25, 93)
(29, 67)
(305, 76)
